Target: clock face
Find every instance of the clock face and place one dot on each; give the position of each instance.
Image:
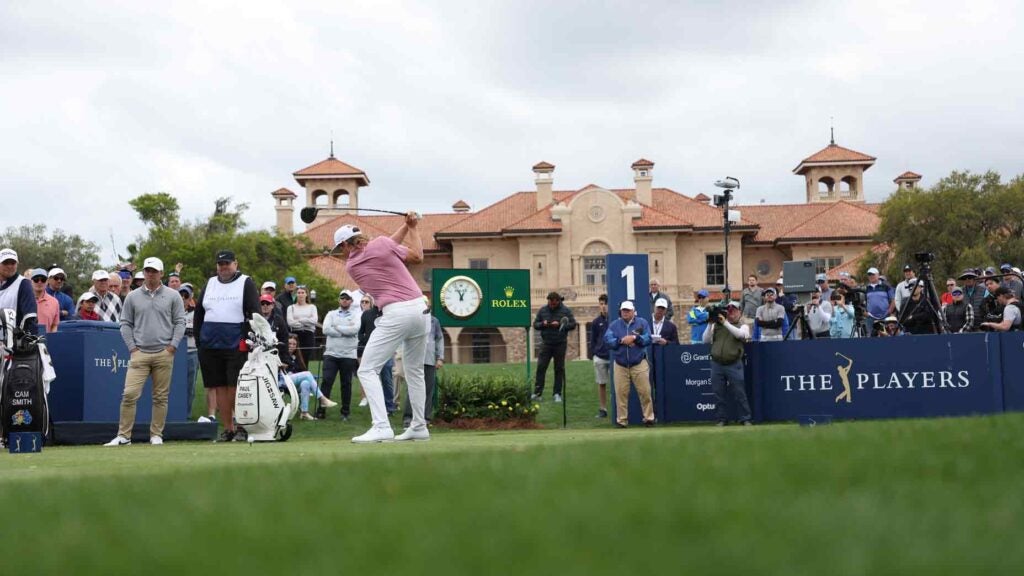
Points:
(461, 296)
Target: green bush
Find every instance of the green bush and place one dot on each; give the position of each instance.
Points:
(484, 396)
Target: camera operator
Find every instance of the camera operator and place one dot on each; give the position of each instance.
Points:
(818, 314)
(1011, 311)
(991, 308)
(726, 334)
(844, 318)
(919, 319)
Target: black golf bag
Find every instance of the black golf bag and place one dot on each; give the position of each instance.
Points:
(23, 402)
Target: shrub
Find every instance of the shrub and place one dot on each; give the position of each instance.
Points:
(484, 397)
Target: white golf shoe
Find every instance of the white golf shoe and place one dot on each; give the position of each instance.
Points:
(379, 433)
(156, 440)
(418, 434)
(119, 441)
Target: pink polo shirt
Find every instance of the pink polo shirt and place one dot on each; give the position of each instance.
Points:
(48, 312)
(379, 270)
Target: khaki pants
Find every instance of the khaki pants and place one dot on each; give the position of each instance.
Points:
(142, 366)
(638, 375)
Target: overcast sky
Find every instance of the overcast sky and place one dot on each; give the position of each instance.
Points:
(441, 101)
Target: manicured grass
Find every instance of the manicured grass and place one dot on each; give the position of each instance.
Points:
(909, 497)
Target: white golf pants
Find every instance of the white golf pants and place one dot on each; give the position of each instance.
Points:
(403, 324)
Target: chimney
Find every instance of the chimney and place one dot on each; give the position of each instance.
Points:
(642, 176)
(283, 200)
(460, 207)
(908, 180)
(543, 170)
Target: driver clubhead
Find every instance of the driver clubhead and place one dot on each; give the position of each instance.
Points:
(308, 214)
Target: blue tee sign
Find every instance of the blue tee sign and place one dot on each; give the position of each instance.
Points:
(628, 279)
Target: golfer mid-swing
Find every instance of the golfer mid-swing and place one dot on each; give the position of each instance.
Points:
(378, 266)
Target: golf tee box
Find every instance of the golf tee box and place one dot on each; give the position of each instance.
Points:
(812, 420)
(24, 442)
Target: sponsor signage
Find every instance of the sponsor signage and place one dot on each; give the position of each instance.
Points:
(1011, 346)
(627, 279)
(944, 375)
(481, 298)
(684, 383)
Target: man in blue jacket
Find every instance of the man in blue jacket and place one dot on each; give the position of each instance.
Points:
(601, 355)
(628, 337)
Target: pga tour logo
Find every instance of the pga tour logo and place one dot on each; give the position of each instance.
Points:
(686, 357)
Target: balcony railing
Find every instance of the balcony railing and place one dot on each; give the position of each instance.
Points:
(587, 294)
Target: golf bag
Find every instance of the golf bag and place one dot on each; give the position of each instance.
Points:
(23, 402)
(259, 406)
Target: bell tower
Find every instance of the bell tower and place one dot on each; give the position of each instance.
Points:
(331, 185)
(835, 173)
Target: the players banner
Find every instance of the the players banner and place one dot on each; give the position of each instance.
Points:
(948, 375)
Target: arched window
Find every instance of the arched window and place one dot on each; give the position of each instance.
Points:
(320, 198)
(848, 187)
(341, 198)
(826, 185)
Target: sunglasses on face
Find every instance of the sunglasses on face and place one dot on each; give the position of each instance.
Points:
(266, 303)
(39, 280)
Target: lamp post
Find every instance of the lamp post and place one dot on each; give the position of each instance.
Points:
(728, 184)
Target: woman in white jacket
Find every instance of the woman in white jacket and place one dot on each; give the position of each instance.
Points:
(302, 320)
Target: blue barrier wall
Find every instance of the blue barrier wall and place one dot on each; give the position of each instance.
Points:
(913, 376)
(91, 360)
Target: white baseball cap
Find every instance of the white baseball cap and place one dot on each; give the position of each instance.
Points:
(780, 281)
(344, 233)
(140, 276)
(100, 275)
(8, 254)
(661, 303)
(55, 272)
(626, 305)
(87, 296)
(154, 263)
(268, 284)
(872, 270)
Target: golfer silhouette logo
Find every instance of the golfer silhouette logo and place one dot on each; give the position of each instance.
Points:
(844, 377)
(113, 361)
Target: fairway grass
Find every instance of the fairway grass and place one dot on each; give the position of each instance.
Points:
(899, 497)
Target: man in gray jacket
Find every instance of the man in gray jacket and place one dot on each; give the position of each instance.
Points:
(152, 325)
(433, 360)
(341, 327)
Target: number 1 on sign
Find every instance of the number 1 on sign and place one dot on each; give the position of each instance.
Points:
(627, 273)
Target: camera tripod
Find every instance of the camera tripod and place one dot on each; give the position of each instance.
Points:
(800, 318)
(929, 299)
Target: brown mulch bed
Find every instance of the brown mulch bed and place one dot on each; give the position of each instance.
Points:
(488, 424)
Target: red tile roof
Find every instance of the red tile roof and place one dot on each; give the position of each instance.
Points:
(329, 167)
(832, 154)
(460, 204)
(702, 197)
(283, 193)
(908, 175)
(543, 166)
(642, 163)
(801, 222)
(852, 266)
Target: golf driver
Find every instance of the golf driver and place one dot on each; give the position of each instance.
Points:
(308, 214)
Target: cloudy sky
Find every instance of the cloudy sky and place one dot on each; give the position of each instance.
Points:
(444, 100)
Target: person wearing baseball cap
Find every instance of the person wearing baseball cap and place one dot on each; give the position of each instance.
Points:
(663, 330)
(287, 297)
(55, 279)
(109, 306)
(627, 337)
(554, 322)
(697, 317)
(87, 307)
(270, 288)
(1010, 281)
(152, 326)
(47, 308)
(904, 288)
(186, 291)
(958, 315)
(341, 327)
(726, 335)
(221, 323)
(381, 267)
(881, 300)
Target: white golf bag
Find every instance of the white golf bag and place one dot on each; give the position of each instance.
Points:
(259, 406)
